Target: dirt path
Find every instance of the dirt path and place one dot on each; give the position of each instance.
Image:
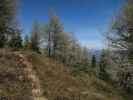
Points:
(31, 76)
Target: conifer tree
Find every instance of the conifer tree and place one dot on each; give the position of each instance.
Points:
(103, 63)
(63, 46)
(121, 35)
(26, 41)
(54, 31)
(93, 62)
(7, 20)
(35, 37)
(121, 38)
(16, 41)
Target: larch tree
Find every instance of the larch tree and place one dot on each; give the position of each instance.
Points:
(61, 45)
(54, 31)
(35, 37)
(26, 41)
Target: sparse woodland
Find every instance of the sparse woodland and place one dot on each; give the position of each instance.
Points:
(49, 39)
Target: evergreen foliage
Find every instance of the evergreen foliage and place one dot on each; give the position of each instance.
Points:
(121, 38)
(103, 63)
(16, 41)
(93, 62)
(7, 20)
(121, 35)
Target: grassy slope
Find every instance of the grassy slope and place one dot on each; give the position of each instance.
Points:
(56, 81)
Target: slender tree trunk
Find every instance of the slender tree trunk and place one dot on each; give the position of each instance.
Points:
(49, 44)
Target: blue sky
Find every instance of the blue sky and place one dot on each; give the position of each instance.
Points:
(87, 19)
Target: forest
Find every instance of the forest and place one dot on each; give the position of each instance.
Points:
(50, 40)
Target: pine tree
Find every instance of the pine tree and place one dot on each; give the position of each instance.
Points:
(121, 38)
(121, 35)
(103, 63)
(16, 41)
(2, 40)
(7, 20)
(93, 62)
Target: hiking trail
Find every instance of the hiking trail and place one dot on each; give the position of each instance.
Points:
(31, 76)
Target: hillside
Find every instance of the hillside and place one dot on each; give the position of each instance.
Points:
(24, 73)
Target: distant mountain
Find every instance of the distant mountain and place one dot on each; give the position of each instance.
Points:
(95, 52)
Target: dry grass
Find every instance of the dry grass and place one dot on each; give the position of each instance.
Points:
(13, 84)
(58, 82)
